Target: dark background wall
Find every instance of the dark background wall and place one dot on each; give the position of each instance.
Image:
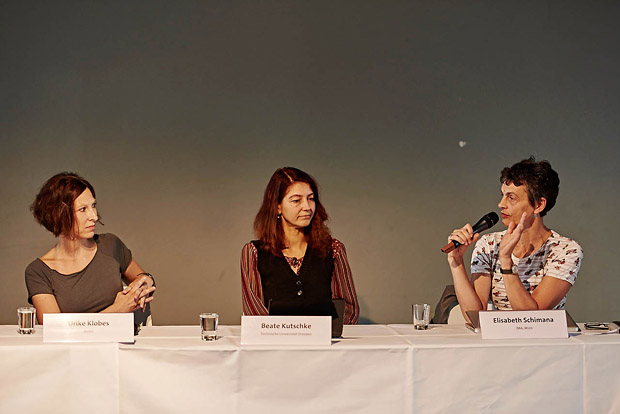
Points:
(179, 112)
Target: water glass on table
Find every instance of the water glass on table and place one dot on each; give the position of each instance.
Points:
(421, 316)
(208, 326)
(26, 319)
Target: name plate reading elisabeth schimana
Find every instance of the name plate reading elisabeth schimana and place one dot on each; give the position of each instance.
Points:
(286, 330)
(539, 324)
(88, 327)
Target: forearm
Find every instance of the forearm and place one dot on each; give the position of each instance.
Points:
(134, 271)
(45, 303)
(465, 293)
(113, 308)
(518, 295)
(468, 293)
(252, 304)
(351, 312)
(342, 284)
(343, 288)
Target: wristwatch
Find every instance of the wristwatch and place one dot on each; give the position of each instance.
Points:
(514, 270)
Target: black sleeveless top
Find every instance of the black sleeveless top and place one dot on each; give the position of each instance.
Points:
(280, 282)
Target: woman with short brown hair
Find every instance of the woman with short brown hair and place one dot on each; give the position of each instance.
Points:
(83, 272)
(527, 266)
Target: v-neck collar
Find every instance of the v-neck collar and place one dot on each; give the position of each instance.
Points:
(304, 260)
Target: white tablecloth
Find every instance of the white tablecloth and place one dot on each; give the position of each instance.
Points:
(372, 369)
(56, 378)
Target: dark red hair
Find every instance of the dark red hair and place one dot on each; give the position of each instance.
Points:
(267, 226)
(53, 208)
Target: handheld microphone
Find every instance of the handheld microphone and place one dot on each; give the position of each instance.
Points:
(486, 222)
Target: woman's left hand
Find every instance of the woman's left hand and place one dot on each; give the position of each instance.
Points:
(511, 238)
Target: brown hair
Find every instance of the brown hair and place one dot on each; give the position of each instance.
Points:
(269, 229)
(53, 206)
(539, 178)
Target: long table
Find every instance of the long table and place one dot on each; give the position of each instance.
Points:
(371, 369)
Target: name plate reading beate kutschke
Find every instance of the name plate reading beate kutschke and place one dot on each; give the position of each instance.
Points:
(540, 324)
(88, 327)
(286, 330)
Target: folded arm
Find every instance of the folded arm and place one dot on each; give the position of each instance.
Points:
(134, 296)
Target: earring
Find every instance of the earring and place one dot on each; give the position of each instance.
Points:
(534, 215)
(279, 216)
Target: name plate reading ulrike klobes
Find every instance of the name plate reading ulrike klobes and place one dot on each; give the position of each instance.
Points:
(539, 324)
(88, 327)
(286, 330)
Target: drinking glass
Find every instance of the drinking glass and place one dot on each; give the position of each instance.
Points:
(208, 326)
(26, 317)
(421, 316)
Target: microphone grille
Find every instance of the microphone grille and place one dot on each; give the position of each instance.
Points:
(492, 218)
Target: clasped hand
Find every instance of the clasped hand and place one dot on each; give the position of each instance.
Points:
(136, 295)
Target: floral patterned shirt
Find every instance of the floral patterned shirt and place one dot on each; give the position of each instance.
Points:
(295, 263)
(558, 257)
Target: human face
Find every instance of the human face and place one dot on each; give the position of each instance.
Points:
(298, 206)
(86, 217)
(514, 203)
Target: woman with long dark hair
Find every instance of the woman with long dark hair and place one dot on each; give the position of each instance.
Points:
(295, 256)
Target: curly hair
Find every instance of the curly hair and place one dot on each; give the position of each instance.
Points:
(53, 206)
(540, 180)
(269, 229)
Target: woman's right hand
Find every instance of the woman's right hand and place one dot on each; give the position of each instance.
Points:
(465, 236)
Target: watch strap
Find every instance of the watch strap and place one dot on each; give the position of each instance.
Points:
(512, 271)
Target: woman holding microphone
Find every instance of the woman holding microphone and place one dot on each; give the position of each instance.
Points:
(527, 266)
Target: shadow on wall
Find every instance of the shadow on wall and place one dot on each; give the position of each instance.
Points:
(363, 320)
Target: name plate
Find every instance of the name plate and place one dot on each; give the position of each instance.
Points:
(88, 327)
(286, 330)
(523, 324)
